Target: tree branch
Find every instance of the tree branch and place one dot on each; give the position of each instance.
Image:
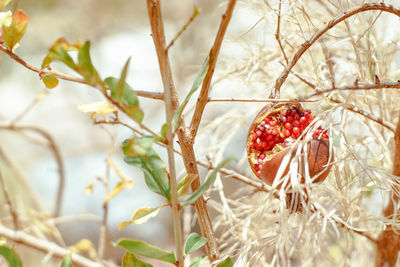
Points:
(205, 89)
(13, 211)
(57, 156)
(171, 103)
(306, 45)
(152, 95)
(53, 249)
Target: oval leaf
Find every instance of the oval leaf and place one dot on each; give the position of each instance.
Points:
(67, 262)
(13, 33)
(140, 216)
(85, 66)
(196, 262)
(96, 108)
(59, 51)
(50, 81)
(151, 164)
(194, 242)
(10, 256)
(116, 190)
(129, 260)
(209, 181)
(129, 102)
(119, 88)
(142, 248)
(228, 262)
(196, 84)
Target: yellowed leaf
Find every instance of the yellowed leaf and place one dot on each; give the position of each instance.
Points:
(3, 3)
(89, 188)
(5, 18)
(96, 108)
(84, 245)
(129, 182)
(140, 216)
(117, 189)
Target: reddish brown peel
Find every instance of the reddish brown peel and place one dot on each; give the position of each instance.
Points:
(265, 160)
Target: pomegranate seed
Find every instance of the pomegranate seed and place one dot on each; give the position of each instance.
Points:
(297, 117)
(272, 123)
(296, 130)
(303, 120)
(264, 144)
(270, 137)
(288, 126)
(287, 132)
(262, 156)
(271, 143)
(283, 119)
(290, 119)
(296, 123)
(258, 133)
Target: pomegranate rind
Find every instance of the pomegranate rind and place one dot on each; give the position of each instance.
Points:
(318, 151)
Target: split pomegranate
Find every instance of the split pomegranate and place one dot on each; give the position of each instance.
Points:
(272, 133)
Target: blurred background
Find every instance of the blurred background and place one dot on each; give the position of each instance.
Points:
(249, 63)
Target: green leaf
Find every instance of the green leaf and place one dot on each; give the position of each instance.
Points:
(228, 262)
(196, 262)
(67, 262)
(184, 184)
(59, 51)
(137, 154)
(209, 181)
(85, 66)
(138, 146)
(164, 130)
(142, 248)
(12, 34)
(199, 79)
(10, 256)
(129, 102)
(50, 81)
(129, 260)
(194, 242)
(140, 216)
(119, 88)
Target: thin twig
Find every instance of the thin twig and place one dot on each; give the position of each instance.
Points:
(372, 86)
(147, 94)
(13, 211)
(203, 96)
(22, 180)
(45, 246)
(306, 45)
(258, 100)
(278, 33)
(235, 175)
(103, 228)
(157, 28)
(196, 12)
(35, 101)
(57, 155)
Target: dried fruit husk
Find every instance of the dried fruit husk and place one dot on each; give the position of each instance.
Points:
(270, 109)
(317, 151)
(318, 157)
